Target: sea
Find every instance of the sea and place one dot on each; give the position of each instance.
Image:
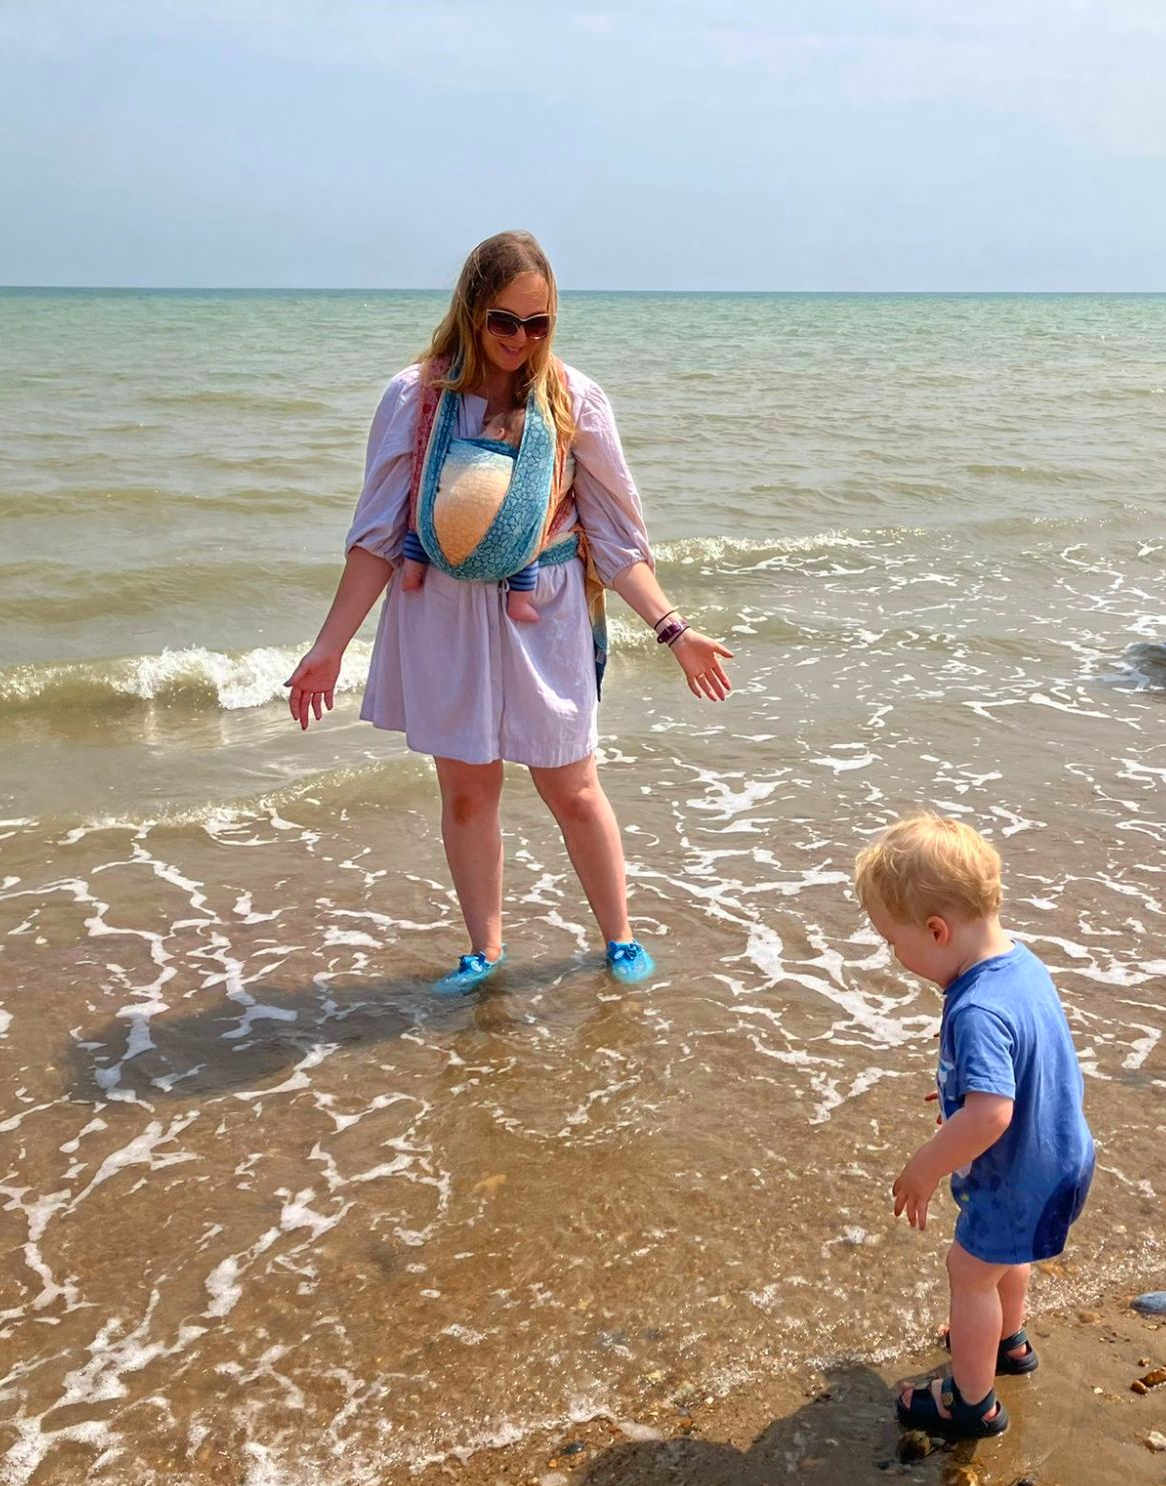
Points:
(274, 1214)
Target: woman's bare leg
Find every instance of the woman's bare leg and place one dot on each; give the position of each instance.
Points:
(472, 836)
(591, 834)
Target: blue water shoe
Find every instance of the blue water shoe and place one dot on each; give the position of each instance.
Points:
(472, 970)
(629, 962)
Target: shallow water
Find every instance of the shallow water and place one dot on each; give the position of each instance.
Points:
(269, 1207)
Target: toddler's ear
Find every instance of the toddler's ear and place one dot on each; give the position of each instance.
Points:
(939, 930)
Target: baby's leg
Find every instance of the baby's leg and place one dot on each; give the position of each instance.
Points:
(415, 561)
(412, 574)
(518, 600)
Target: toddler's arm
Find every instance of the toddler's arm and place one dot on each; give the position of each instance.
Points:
(968, 1134)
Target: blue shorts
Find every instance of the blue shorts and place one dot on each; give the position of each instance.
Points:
(1013, 1230)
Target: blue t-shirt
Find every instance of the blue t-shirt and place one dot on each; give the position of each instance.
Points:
(1004, 1032)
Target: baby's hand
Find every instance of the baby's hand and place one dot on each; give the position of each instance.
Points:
(913, 1191)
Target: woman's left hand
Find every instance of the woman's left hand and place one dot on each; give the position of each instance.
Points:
(700, 660)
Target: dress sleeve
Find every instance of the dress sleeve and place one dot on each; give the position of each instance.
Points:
(382, 512)
(606, 498)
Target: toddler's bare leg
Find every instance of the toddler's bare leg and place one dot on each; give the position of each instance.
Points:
(976, 1317)
(1013, 1290)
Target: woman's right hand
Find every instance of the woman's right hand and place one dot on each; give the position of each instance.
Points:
(313, 683)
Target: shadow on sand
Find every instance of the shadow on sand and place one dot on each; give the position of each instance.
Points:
(845, 1435)
(245, 1041)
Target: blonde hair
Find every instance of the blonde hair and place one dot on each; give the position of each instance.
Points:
(929, 864)
(486, 272)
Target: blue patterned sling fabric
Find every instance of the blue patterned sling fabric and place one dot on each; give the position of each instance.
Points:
(483, 510)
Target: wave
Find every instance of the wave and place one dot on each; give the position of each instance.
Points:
(60, 593)
(732, 550)
(241, 400)
(102, 501)
(319, 796)
(193, 677)
(1143, 664)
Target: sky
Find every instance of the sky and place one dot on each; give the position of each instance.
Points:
(651, 144)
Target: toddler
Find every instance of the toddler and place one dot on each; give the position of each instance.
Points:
(1012, 1133)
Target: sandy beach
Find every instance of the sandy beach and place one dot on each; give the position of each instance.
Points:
(1075, 1422)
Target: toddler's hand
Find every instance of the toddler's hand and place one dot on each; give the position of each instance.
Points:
(912, 1191)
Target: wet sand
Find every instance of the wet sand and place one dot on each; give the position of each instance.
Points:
(1075, 1422)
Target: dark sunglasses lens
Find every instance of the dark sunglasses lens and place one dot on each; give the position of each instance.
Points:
(538, 327)
(498, 322)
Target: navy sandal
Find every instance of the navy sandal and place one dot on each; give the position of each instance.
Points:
(1012, 1367)
(967, 1420)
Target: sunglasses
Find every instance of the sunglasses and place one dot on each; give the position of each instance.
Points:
(503, 324)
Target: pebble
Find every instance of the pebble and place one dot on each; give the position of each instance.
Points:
(633, 1431)
(1155, 1440)
(960, 1475)
(1155, 1378)
(573, 1447)
(1144, 1361)
(914, 1445)
(1152, 1303)
(1137, 1386)
(1087, 1318)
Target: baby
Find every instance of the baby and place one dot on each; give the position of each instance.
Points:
(519, 586)
(1012, 1133)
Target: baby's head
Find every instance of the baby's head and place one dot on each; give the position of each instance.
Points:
(930, 886)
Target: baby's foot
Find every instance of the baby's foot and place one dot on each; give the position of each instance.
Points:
(519, 607)
(412, 575)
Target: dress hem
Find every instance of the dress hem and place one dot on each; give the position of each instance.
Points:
(415, 747)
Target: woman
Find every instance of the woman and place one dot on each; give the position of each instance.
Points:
(485, 455)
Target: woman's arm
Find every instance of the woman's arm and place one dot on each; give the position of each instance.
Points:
(698, 656)
(373, 545)
(313, 681)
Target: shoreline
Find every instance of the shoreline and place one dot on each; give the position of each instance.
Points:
(1075, 1422)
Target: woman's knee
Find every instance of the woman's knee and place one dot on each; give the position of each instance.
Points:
(469, 792)
(466, 806)
(580, 805)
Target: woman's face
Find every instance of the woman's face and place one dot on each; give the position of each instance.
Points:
(524, 296)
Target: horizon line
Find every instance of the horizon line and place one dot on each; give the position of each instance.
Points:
(445, 289)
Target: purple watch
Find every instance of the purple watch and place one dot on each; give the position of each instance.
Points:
(671, 632)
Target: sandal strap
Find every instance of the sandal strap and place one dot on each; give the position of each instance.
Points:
(961, 1411)
(1017, 1339)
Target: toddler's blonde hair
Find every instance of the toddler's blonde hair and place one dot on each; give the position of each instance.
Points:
(929, 864)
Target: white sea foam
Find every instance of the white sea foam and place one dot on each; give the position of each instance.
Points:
(229, 680)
